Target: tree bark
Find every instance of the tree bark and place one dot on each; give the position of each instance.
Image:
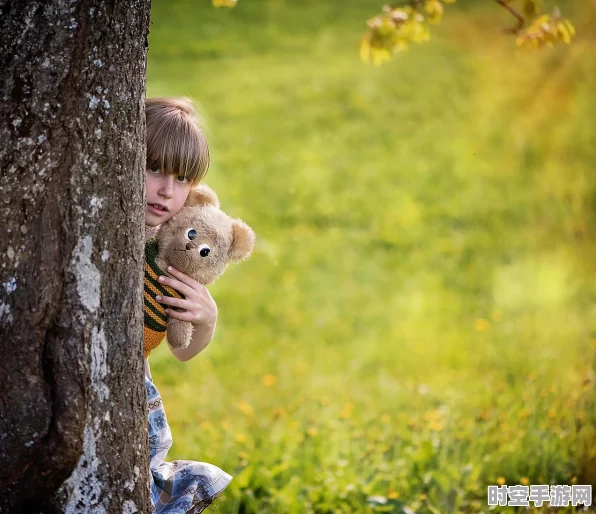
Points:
(73, 426)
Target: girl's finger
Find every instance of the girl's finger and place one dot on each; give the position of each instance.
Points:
(177, 285)
(185, 279)
(175, 302)
(182, 316)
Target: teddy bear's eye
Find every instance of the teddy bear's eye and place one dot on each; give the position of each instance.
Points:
(190, 234)
(204, 250)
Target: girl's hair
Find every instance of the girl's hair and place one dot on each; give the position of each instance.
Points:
(176, 143)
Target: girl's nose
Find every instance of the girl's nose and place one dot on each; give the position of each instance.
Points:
(167, 186)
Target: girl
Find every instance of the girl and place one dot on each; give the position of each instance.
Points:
(177, 159)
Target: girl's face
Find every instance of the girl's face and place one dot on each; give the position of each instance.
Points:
(165, 196)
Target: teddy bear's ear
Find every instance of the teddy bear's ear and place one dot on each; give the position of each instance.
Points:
(243, 242)
(202, 195)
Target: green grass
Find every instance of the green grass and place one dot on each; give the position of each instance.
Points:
(418, 318)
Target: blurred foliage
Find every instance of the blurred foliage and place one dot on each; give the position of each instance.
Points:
(409, 22)
(418, 319)
(400, 25)
(547, 30)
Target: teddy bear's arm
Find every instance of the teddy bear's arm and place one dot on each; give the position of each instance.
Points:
(179, 333)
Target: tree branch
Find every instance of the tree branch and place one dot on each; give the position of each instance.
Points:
(521, 21)
(404, 3)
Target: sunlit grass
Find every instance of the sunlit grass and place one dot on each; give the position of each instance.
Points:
(417, 321)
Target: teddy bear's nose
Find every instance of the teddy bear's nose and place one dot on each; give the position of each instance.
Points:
(189, 246)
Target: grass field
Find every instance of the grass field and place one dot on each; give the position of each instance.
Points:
(418, 320)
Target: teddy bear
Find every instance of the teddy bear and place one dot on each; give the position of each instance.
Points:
(200, 241)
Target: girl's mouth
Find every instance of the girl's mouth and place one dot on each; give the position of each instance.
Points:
(157, 208)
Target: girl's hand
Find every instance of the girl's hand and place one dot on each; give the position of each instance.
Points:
(199, 306)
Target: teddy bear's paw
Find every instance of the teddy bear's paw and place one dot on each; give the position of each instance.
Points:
(179, 333)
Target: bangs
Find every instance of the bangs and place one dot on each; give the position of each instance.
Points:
(176, 145)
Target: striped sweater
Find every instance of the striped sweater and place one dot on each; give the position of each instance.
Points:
(156, 318)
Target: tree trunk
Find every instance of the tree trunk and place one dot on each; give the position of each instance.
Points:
(73, 426)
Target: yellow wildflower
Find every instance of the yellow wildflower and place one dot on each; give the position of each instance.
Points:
(347, 411)
(436, 425)
(245, 408)
(524, 413)
(481, 325)
(269, 380)
(224, 3)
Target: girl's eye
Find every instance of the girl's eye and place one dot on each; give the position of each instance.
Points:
(182, 178)
(204, 250)
(190, 234)
(154, 171)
